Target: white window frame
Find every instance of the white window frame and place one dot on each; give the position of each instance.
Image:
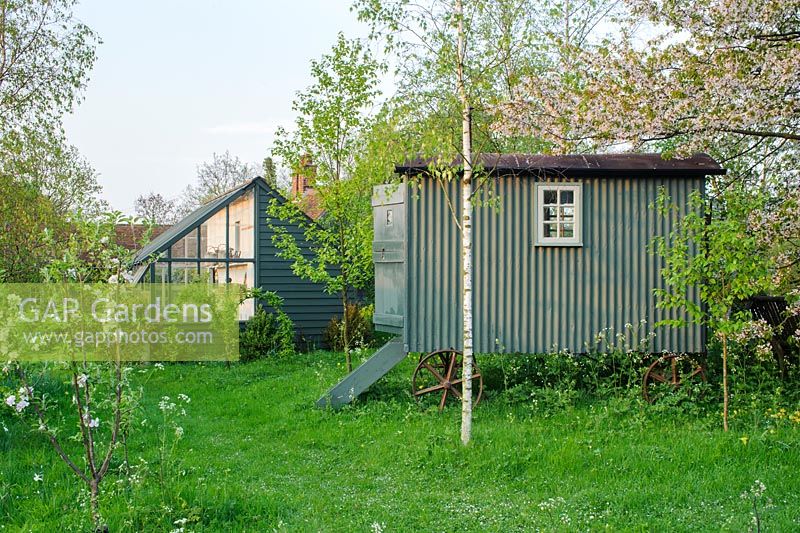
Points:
(577, 234)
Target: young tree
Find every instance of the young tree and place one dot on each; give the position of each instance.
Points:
(99, 391)
(332, 118)
(716, 252)
(156, 209)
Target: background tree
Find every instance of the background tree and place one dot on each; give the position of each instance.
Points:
(332, 119)
(156, 209)
(30, 230)
(45, 58)
(270, 172)
(222, 173)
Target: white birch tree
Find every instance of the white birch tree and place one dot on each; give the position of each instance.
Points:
(466, 227)
(456, 61)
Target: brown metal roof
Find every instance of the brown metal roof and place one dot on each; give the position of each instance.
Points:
(597, 165)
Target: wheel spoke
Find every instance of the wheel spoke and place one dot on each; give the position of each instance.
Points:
(698, 370)
(658, 377)
(434, 372)
(428, 389)
(444, 399)
(451, 366)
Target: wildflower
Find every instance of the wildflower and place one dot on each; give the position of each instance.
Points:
(113, 279)
(82, 379)
(38, 477)
(178, 432)
(184, 398)
(11, 401)
(745, 440)
(756, 491)
(22, 404)
(159, 366)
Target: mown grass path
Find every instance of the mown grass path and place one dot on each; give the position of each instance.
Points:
(256, 456)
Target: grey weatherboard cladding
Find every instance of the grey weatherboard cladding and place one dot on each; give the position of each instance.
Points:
(305, 302)
(528, 298)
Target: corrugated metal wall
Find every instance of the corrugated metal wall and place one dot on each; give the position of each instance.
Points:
(530, 298)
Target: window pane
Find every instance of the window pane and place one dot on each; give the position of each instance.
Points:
(550, 197)
(212, 272)
(184, 273)
(161, 272)
(212, 236)
(550, 231)
(567, 197)
(186, 246)
(241, 229)
(567, 230)
(244, 274)
(567, 214)
(549, 213)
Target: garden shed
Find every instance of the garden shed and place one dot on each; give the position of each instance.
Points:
(229, 240)
(560, 257)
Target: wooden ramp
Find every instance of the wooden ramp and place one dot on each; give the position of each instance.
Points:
(370, 371)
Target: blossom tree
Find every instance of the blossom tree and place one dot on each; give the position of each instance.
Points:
(99, 391)
(713, 68)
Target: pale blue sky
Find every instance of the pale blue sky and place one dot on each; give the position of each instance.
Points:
(176, 81)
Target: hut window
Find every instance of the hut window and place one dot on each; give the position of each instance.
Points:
(558, 214)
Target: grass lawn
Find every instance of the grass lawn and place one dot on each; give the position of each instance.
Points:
(256, 456)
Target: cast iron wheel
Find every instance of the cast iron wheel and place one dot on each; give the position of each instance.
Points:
(668, 373)
(438, 377)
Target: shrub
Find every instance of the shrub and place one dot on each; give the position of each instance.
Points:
(361, 330)
(267, 333)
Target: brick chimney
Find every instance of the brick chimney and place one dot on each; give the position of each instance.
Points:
(303, 191)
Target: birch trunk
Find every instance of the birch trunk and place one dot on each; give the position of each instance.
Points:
(466, 230)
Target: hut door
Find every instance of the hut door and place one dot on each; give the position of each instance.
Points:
(388, 254)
